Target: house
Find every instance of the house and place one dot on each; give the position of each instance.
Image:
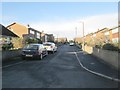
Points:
(47, 37)
(24, 31)
(103, 36)
(115, 34)
(6, 35)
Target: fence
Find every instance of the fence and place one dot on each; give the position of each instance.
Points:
(7, 55)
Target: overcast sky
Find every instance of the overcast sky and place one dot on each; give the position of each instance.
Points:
(62, 18)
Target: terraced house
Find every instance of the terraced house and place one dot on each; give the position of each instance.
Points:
(102, 36)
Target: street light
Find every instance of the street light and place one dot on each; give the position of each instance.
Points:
(83, 35)
(75, 33)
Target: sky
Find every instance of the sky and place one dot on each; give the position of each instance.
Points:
(63, 19)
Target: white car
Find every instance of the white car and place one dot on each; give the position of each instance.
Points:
(50, 46)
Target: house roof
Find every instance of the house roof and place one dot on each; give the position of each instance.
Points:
(6, 32)
(34, 29)
(11, 24)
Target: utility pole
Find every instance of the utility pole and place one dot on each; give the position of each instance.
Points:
(75, 33)
(83, 35)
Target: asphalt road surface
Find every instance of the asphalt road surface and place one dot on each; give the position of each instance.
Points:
(58, 70)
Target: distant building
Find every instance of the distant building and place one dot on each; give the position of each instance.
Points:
(62, 39)
(78, 39)
(50, 38)
(47, 37)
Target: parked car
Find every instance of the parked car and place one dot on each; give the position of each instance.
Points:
(34, 50)
(51, 47)
(71, 44)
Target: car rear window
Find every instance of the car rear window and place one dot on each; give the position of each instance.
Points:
(47, 44)
(34, 47)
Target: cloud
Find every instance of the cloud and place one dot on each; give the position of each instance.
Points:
(94, 23)
(66, 28)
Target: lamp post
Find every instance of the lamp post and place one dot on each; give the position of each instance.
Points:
(83, 35)
(75, 33)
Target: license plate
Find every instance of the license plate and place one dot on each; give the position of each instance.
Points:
(29, 55)
(46, 47)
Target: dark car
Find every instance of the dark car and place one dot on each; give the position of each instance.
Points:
(34, 50)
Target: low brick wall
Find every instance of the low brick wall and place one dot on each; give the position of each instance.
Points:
(111, 57)
(7, 55)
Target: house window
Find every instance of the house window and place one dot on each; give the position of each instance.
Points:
(115, 30)
(32, 32)
(115, 40)
(106, 33)
(94, 35)
(38, 35)
(107, 39)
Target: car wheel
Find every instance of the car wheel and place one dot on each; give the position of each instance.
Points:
(41, 56)
(53, 51)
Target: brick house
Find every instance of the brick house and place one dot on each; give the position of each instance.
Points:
(103, 36)
(24, 31)
(115, 34)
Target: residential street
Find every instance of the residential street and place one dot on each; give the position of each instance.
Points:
(58, 70)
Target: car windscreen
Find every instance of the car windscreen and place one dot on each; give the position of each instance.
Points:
(32, 47)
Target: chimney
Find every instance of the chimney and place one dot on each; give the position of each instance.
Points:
(28, 26)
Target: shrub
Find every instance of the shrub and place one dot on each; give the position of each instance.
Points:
(17, 42)
(31, 40)
(98, 46)
(109, 46)
(7, 46)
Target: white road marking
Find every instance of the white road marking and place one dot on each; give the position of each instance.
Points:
(96, 73)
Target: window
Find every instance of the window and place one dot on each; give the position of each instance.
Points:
(115, 40)
(106, 33)
(115, 30)
(38, 35)
(32, 32)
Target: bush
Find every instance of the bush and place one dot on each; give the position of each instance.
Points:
(31, 40)
(109, 46)
(17, 42)
(98, 46)
(7, 46)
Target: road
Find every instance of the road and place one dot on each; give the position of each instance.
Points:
(58, 70)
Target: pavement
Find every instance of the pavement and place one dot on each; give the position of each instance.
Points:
(96, 64)
(58, 70)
